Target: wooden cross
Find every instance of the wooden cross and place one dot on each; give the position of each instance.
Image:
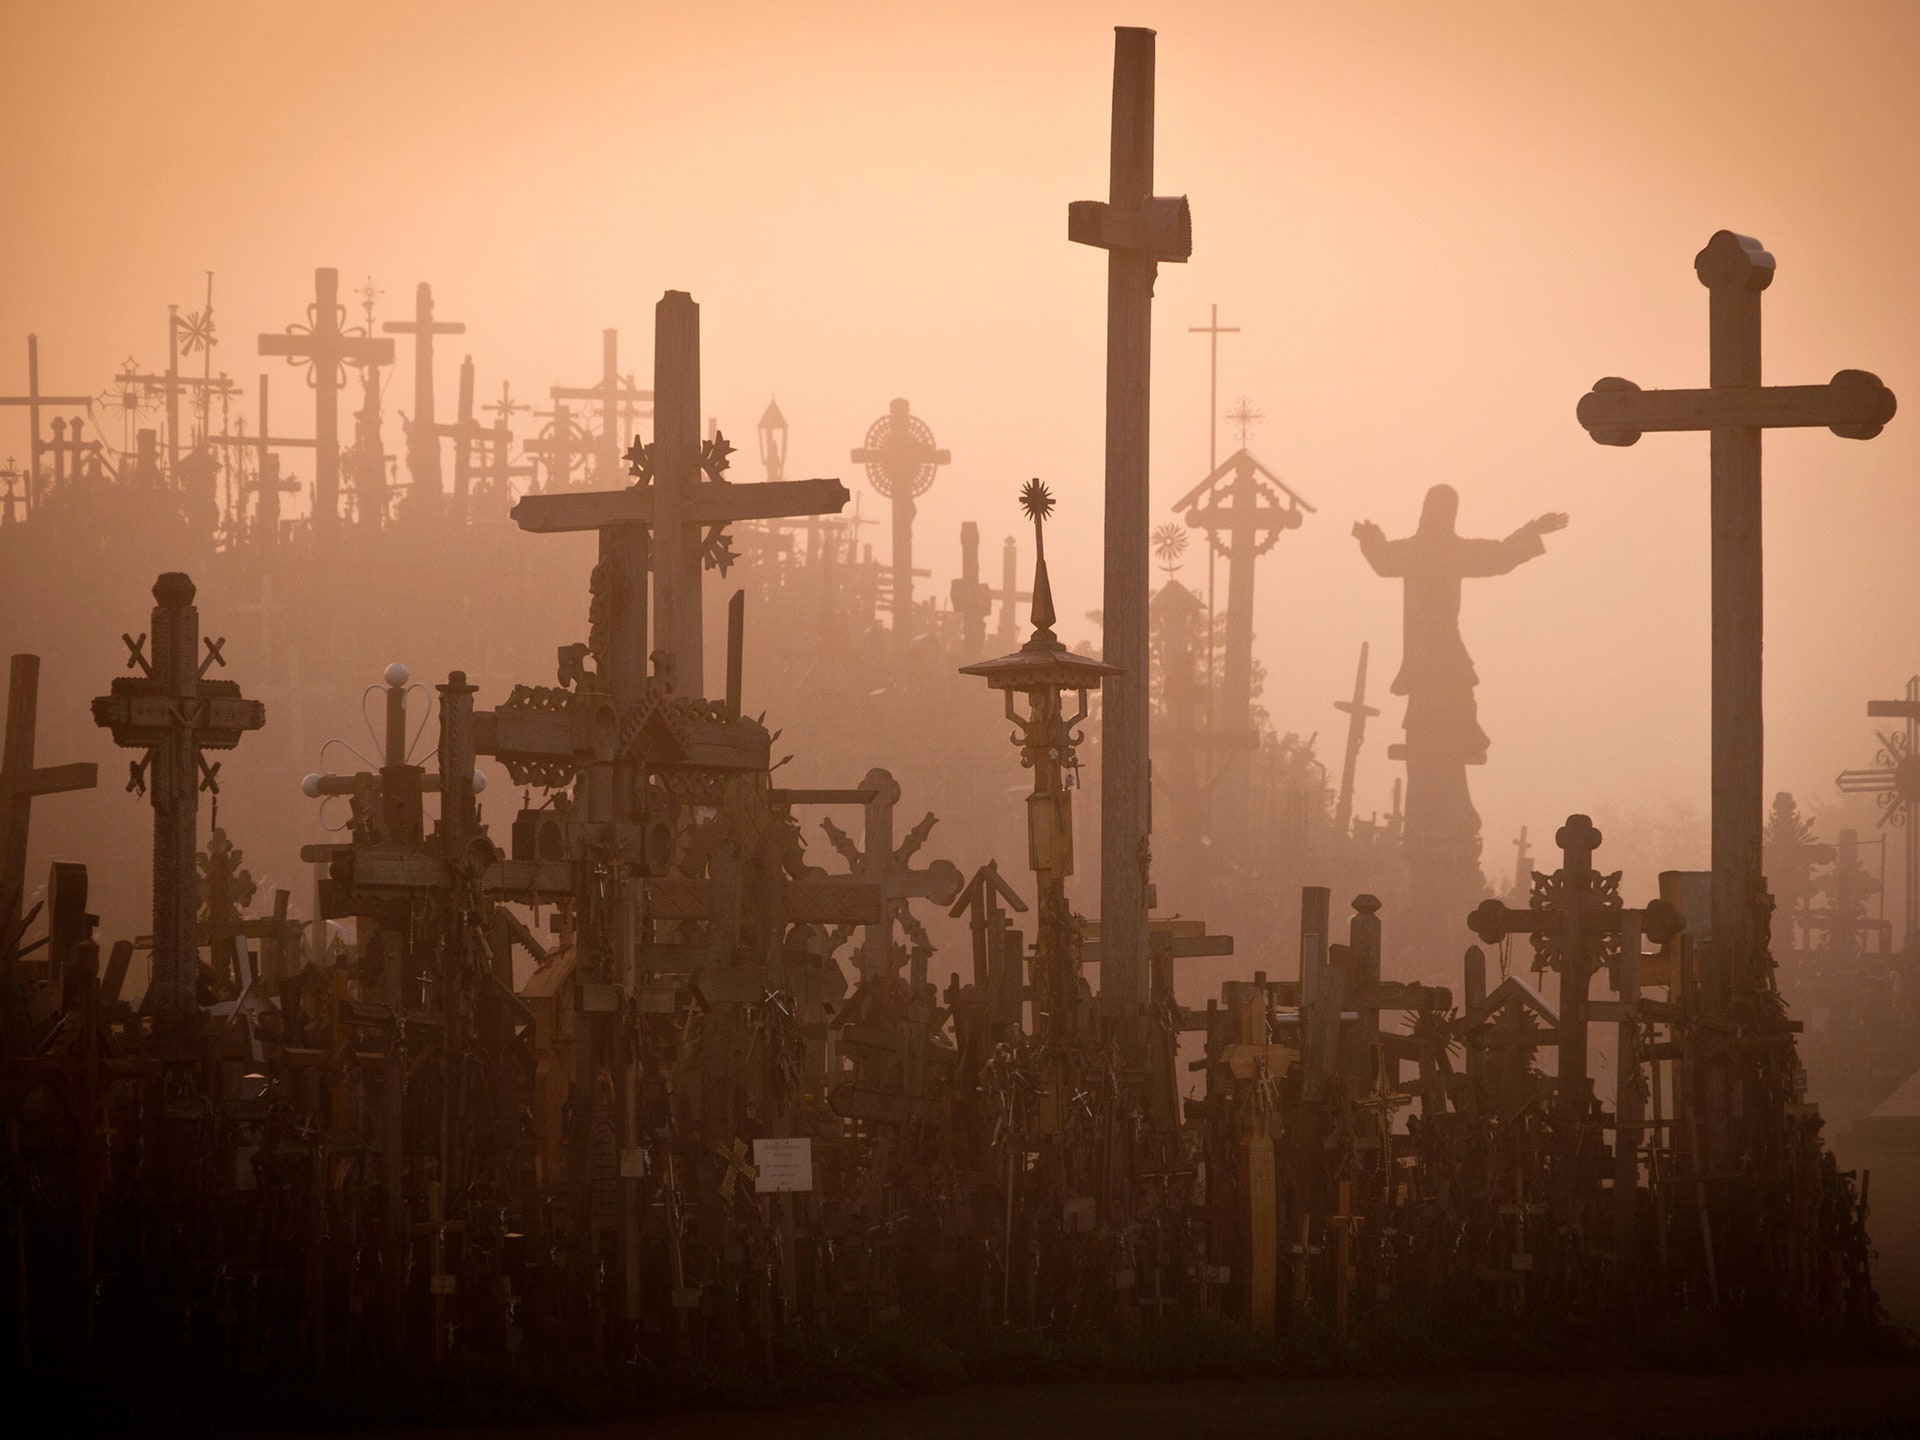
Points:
(682, 512)
(267, 483)
(1896, 781)
(500, 467)
(879, 860)
(901, 461)
(423, 436)
(20, 781)
(996, 961)
(69, 449)
(175, 715)
(1382, 1101)
(465, 432)
(738, 1168)
(620, 406)
(1009, 596)
(1358, 712)
(972, 599)
(326, 348)
(1213, 330)
(1575, 920)
(554, 446)
(1736, 408)
(33, 401)
(1138, 230)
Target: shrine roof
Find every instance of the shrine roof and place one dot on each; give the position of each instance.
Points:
(1040, 666)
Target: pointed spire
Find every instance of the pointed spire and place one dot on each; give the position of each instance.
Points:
(1037, 501)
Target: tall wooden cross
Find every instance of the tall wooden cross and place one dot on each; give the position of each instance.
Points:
(1896, 781)
(1574, 918)
(32, 402)
(674, 504)
(620, 406)
(1213, 330)
(423, 436)
(901, 461)
(1138, 230)
(971, 597)
(327, 348)
(1736, 408)
(267, 483)
(20, 781)
(174, 714)
(1009, 596)
(465, 432)
(1358, 712)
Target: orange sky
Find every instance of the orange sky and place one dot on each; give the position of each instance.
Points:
(1435, 224)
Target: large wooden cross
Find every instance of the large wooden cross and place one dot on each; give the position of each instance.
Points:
(1358, 712)
(1009, 596)
(673, 502)
(267, 483)
(620, 406)
(1574, 918)
(901, 460)
(1736, 408)
(327, 347)
(423, 436)
(174, 714)
(20, 781)
(32, 401)
(1138, 230)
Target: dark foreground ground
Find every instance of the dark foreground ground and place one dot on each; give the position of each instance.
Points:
(1833, 1399)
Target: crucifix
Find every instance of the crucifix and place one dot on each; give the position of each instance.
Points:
(683, 512)
(1213, 330)
(1358, 712)
(20, 782)
(175, 714)
(327, 348)
(267, 484)
(32, 401)
(1009, 595)
(1138, 230)
(1240, 501)
(1896, 783)
(1575, 919)
(423, 436)
(901, 461)
(1736, 408)
(620, 406)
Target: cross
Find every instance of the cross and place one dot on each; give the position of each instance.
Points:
(69, 449)
(1138, 230)
(465, 432)
(423, 436)
(33, 400)
(1896, 781)
(1213, 330)
(128, 395)
(1736, 408)
(620, 405)
(683, 512)
(901, 461)
(174, 715)
(555, 446)
(500, 467)
(996, 963)
(1246, 417)
(738, 1168)
(1575, 919)
(1358, 712)
(1383, 1100)
(972, 599)
(879, 860)
(20, 781)
(266, 483)
(327, 348)
(1240, 500)
(1009, 595)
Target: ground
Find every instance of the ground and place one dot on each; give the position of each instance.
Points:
(1879, 1399)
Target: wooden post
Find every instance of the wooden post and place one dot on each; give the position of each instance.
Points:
(676, 470)
(1138, 230)
(1629, 1103)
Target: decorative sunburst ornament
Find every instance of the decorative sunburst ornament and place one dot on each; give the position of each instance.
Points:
(1169, 544)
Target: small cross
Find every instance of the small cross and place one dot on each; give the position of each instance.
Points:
(1245, 416)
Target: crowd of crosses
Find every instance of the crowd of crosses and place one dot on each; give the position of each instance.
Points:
(658, 1056)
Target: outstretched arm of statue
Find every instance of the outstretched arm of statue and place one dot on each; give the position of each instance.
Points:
(1382, 554)
(1553, 520)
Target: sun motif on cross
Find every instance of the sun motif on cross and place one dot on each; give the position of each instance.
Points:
(1169, 544)
(1036, 500)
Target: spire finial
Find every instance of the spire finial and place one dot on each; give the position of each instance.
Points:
(1037, 501)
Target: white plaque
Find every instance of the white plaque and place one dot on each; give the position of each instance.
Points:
(784, 1165)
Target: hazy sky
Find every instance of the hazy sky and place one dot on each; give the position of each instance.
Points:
(1437, 225)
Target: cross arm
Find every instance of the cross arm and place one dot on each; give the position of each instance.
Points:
(709, 504)
(1494, 922)
(54, 402)
(1161, 227)
(54, 779)
(1893, 709)
(1854, 405)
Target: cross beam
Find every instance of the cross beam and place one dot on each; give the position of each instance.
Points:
(1736, 410)
(327, 346)
(1138, 230)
